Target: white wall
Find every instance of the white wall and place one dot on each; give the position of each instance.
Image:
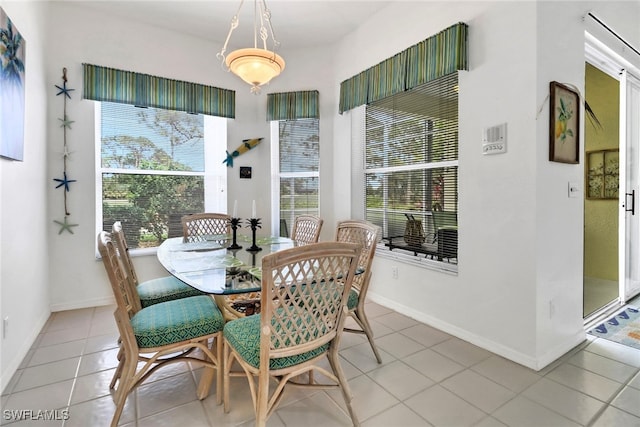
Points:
(24, 266)
(519, 287)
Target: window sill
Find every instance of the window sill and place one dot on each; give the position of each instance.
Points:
(421, 261)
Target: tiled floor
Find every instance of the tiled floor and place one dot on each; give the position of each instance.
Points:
(427, 378)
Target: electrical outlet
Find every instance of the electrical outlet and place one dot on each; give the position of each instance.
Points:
(394, 272)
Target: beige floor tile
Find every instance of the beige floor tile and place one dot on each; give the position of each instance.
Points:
(99, 412)
(100, 343)
(627, 355)
(362, 357)
(398, 345)
(160, 396)
(604, 366)
(522, 412)
(57, 352)
(95, 362)
(69, 319)
(442, 408)
(568, 402)
(51, 396)
(399, 415)
(396, 321)
(317, 411)
(462, 352)
(507, 373)
(478, 390)
(49, 373)
(369, 398)
(400, 380)
(425, 335)
(614, 417)
(585, 381)
(191, 414)
(433, 365)
(65, 335)
(92, 386)
(628, 400)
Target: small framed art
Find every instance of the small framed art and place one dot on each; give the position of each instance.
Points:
(564, 124)
(245, 172)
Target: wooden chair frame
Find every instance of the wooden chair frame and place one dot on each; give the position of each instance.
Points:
(365, 234)
(133, 373)
(303, 309)
(196, 227)
(306, 228)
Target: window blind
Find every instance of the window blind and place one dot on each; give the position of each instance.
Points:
(298, 170)
(411, 167)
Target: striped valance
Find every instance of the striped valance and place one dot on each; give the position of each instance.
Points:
(127, 87)
(293, 105)
(430, 59)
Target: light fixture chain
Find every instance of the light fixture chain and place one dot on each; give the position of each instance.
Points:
(235, 21)
(267, 16)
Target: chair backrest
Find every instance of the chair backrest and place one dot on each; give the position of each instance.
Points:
(365, 234)
(127, 298)
(199, 227)
(306, 228)
(304, 296)
(118, 237)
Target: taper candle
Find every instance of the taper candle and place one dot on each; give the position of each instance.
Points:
(253, 209)
(235, 209)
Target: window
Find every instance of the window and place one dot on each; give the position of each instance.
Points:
(411, 170)
(295, 149)
(156, 165)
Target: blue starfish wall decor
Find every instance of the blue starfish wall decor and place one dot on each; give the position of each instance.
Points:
(65, 181)
(64, 90)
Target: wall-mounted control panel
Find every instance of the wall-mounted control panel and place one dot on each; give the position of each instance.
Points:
(494, 139)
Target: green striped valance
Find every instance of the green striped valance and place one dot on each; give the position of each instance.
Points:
(127, 87)
(293, 105)
(430, 59)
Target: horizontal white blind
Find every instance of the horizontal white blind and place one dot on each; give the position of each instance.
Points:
(299, 164)
(411, 167)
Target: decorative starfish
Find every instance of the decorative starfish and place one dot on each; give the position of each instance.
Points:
(66, 152)
(65, 225)
(64, 90)
(64, 182)
(66, 123)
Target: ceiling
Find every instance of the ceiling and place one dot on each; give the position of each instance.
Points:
(299, 23)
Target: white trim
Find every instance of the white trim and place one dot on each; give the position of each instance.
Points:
(88, 303)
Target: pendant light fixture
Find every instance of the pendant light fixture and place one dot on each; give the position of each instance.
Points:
(255, 65)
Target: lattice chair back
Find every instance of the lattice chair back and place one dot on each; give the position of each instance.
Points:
(363, 233)
(118, 237)
(306, 228)
(127, 298)
(303, 293)
(205, 226)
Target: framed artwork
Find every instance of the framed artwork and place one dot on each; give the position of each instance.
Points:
(245, 172)
(12, 57)
(603, 171)
(564, 124)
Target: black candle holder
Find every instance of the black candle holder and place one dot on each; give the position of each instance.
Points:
(235, 223)
(254, 223)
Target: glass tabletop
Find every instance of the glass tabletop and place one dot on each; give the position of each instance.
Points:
(212, 267)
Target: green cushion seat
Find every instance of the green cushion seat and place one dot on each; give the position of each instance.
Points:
(176, 320)
(243, 335)
(164, 289)
(352, 302)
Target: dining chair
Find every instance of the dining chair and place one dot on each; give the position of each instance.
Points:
(365, 234)
(151, 291)
(306, 228)
(303, 298)
(161, 334)
(199, 227)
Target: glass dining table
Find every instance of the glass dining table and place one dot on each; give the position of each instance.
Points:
(212, 267)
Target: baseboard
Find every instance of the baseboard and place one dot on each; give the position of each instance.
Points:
(535, 363)
(74, 305)
(14, 364)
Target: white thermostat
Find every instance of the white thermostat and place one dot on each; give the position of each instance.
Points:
(494, 139)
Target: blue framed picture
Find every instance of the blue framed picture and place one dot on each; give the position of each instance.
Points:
(12, 58)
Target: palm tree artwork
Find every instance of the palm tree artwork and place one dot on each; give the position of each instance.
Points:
(12, 54)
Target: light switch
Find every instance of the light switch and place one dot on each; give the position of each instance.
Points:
(574, 189)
